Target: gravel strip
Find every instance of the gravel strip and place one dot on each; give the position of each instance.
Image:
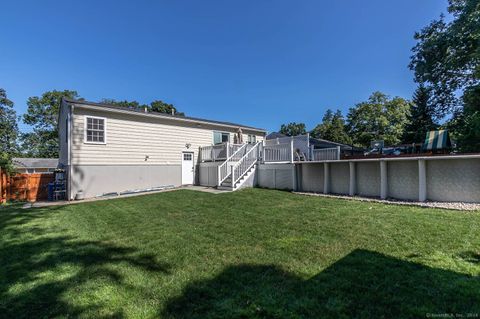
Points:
(445, 205)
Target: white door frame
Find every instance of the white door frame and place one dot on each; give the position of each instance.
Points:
(193, 168)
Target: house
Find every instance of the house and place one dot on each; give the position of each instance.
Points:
(107, 149)
(35, 165)
(110, 149)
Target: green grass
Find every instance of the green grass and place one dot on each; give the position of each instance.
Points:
(249, 254)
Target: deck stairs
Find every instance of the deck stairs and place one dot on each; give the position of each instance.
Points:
(227, 183)
(239, 168)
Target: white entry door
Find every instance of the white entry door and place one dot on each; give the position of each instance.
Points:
(187, 168)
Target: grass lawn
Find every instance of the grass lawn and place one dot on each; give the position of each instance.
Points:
(249, 254)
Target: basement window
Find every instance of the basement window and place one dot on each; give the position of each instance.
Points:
(95, 130)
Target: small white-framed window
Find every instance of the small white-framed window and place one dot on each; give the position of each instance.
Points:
(187, 156)
(95, 130)
(252, 139)
(220, 137)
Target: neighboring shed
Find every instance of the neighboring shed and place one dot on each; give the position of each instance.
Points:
(35, 165)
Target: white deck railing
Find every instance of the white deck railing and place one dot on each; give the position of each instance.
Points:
(245, 163)
(218, 152)
(232, 148)
(223, 171)
(278, 152)
(270, 153)
(326, 154)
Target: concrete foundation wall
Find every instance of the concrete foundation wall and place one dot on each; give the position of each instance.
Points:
(402, 179)
(446, 179)
(208, 173)
(276, 176)
(96, 180)
(454, 180)
(368, 178)
(311, 177)
(339, 178)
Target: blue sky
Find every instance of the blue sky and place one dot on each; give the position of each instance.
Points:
(260, 63)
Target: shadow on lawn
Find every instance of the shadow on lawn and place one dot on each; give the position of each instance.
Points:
(27, 290)
(364, 284)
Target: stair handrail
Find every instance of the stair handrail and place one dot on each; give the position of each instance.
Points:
(223, 168)
(245, 163)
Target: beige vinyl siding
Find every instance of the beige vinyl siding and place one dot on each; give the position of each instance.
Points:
(130, 138)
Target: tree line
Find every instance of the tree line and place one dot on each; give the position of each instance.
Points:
(394, 120)
(42, 115)
(446, 66)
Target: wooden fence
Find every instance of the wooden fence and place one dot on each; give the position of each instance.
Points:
(24, 187)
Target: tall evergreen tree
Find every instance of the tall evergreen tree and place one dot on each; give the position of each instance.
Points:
(422, 118)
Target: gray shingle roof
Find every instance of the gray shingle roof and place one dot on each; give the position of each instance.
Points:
(274, 135)
(164, 115)
(35, 162)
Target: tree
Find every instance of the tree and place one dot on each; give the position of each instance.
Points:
(162, 107)
(8, 131)
(127, 104)
(42, 114)
(447, 55)
(8, 125)
(332, 128)
(293, 129)
(422, 116)
(155, 106)
(379, 118)
(465, 124)
(447, 58)
(321, 130)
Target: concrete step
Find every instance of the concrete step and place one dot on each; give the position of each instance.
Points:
(224, 188)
